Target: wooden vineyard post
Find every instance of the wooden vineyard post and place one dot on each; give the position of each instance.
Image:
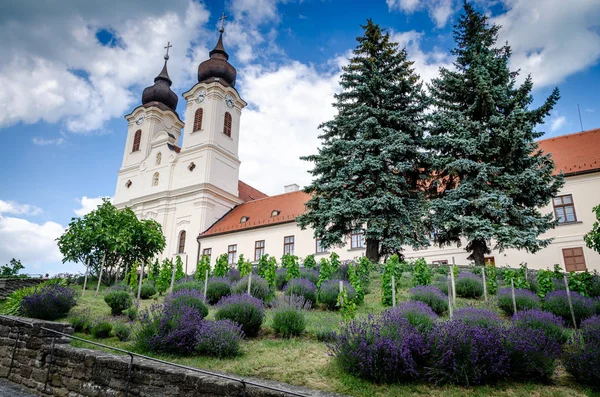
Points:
(173, 277)
(100, 277)
(484, 285)
(87, 271)
(139, 291)
(512, 288)
(393, 291)
(205, 284)
(450, 308)
(453, 285)
(341, 291)
(570, 302)
(249, 282)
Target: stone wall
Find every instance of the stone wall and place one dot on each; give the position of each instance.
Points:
(8, 285)
(75, 372)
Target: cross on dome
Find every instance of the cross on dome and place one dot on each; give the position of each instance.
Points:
(222, 19)
(167, 48)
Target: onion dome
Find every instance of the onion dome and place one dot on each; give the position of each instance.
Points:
(217, 66)
(161, 90)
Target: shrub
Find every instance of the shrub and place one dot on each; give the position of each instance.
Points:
(50, 302)
(289, 321)
(233, 275)
(552, 326)
(118, 301)
(422, 273)
(281, 278)
(582, 353)
(12, 304)
(243, 309)
(557, 303)
(202, 267)
(491, 281)
(524, 298)
(597, 305)
(302, 287)
(259, 288)
(478, 317)
(267, 269)
(101, 330)
(370, 350)
(310, 274)
(532, 353)
(147, 291)
(431, 296)
(80, 320)
(132, 313)
(290, 263)
(122, 331)
(218, 287)
(309, 263)
(221, 266)
(341, 272)
(469, 285)
(442, 286)
(466, 354)
(188, 285)
(219, 338)
(330, 290)
(418, 314)
(544, 280)
(188, 298)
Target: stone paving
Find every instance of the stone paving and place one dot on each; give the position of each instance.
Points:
(9, 389)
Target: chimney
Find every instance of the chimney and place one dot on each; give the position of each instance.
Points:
(291, 188)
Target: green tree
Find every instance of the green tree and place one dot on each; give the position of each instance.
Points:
(114, 234)
(132, 277)
(489, 177)
(12, 268)
(154, 270)
(290, 263)
(391, 267)
(201, 268)
(309, 262)
(592, 238)
(221, 266)
(179, 273)
(369, 168)
(244, 266)
(163, 282)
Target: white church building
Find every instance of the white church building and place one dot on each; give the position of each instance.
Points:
(194, 191)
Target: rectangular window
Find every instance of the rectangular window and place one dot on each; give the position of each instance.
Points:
(574, 259)
(440, 262)
(564, 209)
(207, 252)
(259, 249)
(318, 248)
(357, 239)
(288, 245)
(232, 254)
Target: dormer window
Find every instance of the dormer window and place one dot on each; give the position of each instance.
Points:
(244, 219)
(275, 213)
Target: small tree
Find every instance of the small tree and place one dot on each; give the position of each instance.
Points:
(244, 266)
(390, 268)
(164, 276)
(11, 269)
(221, 266)
(290, 263)
(132, 277)
(201, 268)
(154, 270)
(309, 262)
(179, 273)
(592, 238)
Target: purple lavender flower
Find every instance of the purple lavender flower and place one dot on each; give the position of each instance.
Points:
(469, 285)
(418, 314)
(330, 290)
(557, 302)
(301, 287)
(219, 338)
(524, 299)
(50, 302)
(243, 309)
(430, 295)
(551, 325)
(532, 353)
(478, 317)
(590, 329)
(582, 353)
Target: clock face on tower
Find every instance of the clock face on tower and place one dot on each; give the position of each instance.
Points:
(200, 96)
(140, 120)
(229, 100)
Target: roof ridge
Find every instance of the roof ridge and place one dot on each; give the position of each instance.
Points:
(270, 197)
(252, 187)
(570, 134)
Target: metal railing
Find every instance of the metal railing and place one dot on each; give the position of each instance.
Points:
(132, 355)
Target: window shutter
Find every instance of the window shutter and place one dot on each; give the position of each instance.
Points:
(227, 124)
(198, 119)
(136, 140)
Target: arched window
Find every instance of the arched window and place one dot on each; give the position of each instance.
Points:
(158, 158)
(227, 124)
(198, 119)
(137, 138)
(155, 179)
(181, 247)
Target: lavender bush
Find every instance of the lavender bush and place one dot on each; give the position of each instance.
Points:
(233, 275)
(50, 302)
(302, 287)
(368, 349)
(243, 309)
(188, 285)
(469, 285)
(281, 278)
(582, 353)
(532, 353)
(478, 317)
(218, 287)
(330, 290)
(466, 354)
(431, 296)
(259, 288)
(189, 298)
(289, 321)
(418, 314)
(557, 303)
(552, 326)
(310, 274)
(219, 338)
(524, 298)
(118, 301)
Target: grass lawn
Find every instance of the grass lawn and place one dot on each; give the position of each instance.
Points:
(305, 361)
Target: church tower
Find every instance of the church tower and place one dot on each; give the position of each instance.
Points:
(188, 188)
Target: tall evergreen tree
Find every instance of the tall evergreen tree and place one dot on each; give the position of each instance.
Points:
(490, 179)
(367, 173)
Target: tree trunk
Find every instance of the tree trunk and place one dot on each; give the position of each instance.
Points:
(478, 250)
(373, 250)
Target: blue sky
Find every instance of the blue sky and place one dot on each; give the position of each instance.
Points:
(69, 74)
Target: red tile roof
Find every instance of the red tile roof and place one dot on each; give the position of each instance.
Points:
(574, 153)
(289, 205)
(248, 193)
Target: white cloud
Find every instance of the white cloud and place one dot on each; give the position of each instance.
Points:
(557, 122)
(54, 68)
(45, 142)
(439, 11)
(551, 39)
(88, 204)
(10, 207)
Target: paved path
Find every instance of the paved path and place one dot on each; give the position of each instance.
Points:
(9, 389)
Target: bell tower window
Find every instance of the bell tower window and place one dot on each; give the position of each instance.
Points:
(227, 124)
(198, 119)
(155, 179)
(137, 139)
